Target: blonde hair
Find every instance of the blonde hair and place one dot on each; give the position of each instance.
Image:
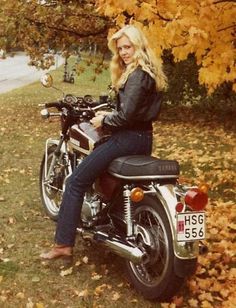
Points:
(143, 57)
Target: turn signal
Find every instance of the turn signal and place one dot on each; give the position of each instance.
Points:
(196, 199)
(136, 194)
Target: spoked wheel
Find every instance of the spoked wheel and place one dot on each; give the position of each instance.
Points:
(51, 188)
(155, 277)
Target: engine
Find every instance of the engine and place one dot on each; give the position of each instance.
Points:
(90, 208)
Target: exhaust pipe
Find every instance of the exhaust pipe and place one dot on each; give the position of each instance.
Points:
(115, 244)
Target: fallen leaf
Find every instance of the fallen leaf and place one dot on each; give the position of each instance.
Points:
(78, 263)
(85, 260)
(11, 220)
(224, 293)
(3, 298)
(30, 304)
(20, 295)
(66, 272)
(178, 301)
(35, 279)
(96, 277)
(193, 303)
(100, 289)
(83, 293)
(115, 296)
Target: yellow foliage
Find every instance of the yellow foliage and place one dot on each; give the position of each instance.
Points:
(203, 27)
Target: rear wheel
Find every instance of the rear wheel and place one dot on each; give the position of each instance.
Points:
(51, 189)
(155, 278)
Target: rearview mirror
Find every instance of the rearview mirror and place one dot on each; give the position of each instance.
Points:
(47, 80)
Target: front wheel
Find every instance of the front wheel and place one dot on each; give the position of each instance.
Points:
(155, 278)
(51, 187)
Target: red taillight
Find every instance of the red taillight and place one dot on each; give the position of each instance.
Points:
(196, 199)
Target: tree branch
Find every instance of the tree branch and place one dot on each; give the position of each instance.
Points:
(222, 29)
(222, 1)
(72, 32)
(163, 18)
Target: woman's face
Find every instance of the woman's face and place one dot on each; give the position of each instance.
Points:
(125, 49)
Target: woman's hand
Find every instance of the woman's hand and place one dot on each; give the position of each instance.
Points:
(97, 120)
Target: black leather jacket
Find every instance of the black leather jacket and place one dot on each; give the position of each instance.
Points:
(138, 103)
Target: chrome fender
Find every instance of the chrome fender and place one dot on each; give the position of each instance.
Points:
(167, 196)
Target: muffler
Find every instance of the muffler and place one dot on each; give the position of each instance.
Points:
(115, 244)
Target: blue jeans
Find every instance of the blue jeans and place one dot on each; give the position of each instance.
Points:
(122, 143)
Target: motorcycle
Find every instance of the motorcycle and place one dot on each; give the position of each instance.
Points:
(137, 208)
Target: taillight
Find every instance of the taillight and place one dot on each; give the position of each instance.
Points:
(196, 199)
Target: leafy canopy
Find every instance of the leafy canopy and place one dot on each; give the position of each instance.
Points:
(42, 26)
(205, 28)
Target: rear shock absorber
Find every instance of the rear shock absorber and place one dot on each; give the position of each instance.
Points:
(128, 212)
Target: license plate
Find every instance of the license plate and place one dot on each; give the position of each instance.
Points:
(190, 226)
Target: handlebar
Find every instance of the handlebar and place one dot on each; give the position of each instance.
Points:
(59, 105)
(82, 110)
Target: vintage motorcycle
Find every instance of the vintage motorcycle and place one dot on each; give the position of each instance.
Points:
(137, 208)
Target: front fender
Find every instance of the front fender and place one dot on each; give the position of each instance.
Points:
(50, 142)
(182, 250)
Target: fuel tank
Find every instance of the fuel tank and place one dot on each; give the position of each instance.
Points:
(83, 137)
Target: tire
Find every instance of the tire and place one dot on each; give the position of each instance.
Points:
(51, 193)
(156, 278)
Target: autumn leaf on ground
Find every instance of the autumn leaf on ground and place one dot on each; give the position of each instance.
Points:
(95, 276)
(11, 220)
(178, 301)
(100, 289)
(85, 260)
(39, 305)
(83, 293)
(20, 295)
(66, 272)
(115, 296)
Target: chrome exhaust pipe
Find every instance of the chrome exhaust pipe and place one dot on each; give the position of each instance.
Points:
(115, 244)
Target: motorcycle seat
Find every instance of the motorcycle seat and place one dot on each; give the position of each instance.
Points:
(143, 167)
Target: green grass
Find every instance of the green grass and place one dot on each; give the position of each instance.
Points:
(204, 154)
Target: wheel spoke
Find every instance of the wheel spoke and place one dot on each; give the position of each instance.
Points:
(151, 273)
(150, 223)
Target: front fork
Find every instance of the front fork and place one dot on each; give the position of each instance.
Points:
(61, 149)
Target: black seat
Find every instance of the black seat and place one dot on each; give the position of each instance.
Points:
(143, 167)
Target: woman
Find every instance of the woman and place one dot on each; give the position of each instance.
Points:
(138, 77)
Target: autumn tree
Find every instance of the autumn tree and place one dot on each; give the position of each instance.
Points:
(37, 26)
(205, 28)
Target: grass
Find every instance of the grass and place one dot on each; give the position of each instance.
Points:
(205, 152)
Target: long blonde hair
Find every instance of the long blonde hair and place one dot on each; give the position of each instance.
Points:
(143, 57)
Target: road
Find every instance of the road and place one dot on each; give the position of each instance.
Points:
(15, 72)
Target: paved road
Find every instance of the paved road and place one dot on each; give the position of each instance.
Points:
(15, 72)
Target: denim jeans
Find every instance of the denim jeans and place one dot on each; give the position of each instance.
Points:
(122, 143)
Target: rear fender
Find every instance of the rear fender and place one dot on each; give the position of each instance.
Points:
(166, 195)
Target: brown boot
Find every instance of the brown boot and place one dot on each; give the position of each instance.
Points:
(58, 251)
